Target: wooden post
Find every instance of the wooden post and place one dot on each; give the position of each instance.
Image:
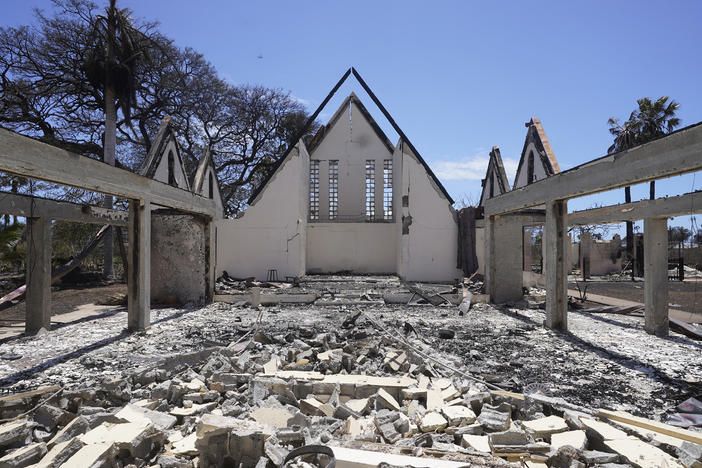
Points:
(139, 273)
(556, 264)
(38, 275)
(656, 276)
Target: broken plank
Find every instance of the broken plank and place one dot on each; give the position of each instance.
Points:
(685, 328)
(621, 416)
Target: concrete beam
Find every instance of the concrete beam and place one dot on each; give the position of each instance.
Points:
(139, 272)
(656, 276)
(27, 157)
(660, 207)
(38, 305)
(674, 154)
(504, 258)
(556, 264)
(30, 207)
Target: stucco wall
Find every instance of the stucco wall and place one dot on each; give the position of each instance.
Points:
(272, 232)
(161, 173)
(522, 171)
(179, 261)
(428, 251)
(358, 247)
(480, 243)
(351, 141)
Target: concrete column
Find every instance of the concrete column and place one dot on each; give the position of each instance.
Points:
(38, 312)
(656, 276)
(210, 258)
(556, 264)
(504, 258)
(139, 277)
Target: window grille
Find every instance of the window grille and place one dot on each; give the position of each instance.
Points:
(370, 189)
(387, 189)
(333, 189)
(314, 190)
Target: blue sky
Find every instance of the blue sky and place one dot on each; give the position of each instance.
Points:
(458, 76)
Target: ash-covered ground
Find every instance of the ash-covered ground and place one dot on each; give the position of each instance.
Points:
(605, 361)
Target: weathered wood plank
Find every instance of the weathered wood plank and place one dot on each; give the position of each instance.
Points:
(674, 154)
(35, 207)
(690, 203)
(684, 434)
(27, 157)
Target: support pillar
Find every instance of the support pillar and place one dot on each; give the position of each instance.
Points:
(139, 273)
(210, 253)
(656, 276)
(38, 276)
(504, 264)
(556, 264)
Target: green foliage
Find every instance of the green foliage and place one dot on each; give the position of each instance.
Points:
(651, 120)
(11, 253)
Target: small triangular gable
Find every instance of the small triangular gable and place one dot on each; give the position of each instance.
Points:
(164, 162)
(206, 183)
(537, 160)
(495, 182)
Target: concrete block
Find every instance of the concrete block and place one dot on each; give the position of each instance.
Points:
(576, 439)
(476, 442)
(24, 456)
(133, 437)
(99, 455)
(494, 420)
(602, 431)
(432, 422)
(690, 455)
(640, 454)
(276, 417)
(60, 453)
(14, 432)
(386, 400)
(133, 413)
(543, 428)
(458, 415)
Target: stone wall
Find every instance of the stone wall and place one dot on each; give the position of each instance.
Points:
(179, 258)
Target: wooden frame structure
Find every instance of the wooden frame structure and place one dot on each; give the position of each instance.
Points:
(675, 154)
(24, 156)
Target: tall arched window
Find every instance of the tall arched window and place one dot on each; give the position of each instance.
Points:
(530, 168)
(171, 168)
(211, 185)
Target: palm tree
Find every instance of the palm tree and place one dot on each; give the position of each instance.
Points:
(110, 65)
(656, 118)
(651, 120)
(625, 136)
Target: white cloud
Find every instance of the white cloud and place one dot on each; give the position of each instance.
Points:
(470, 167)
(300, 100)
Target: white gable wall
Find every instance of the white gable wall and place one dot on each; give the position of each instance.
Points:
(357, 246)
(523, 170)
(205, 191)
(161, 173)
(428, 252)
(272, 232)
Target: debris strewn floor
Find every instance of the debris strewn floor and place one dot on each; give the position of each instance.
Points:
(416, 381)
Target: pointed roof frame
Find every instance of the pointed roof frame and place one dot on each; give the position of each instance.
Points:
(153, 158)
(495, 164)
(352, 98)
(385, 113)
(546, 156)
(199, 178)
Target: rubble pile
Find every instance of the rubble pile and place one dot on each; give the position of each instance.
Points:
(361, 392)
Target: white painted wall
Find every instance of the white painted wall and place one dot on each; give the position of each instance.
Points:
(161, 173)
(523, 170)
(351, 141)
(205, 191)
(428, 252)
(480, 243)
(359, 247)
(272, 231)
